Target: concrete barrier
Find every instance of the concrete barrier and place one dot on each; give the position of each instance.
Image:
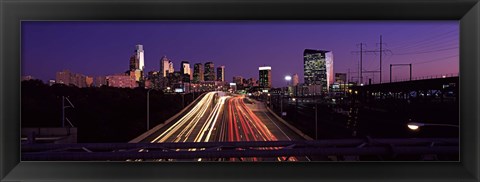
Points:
(293, 128)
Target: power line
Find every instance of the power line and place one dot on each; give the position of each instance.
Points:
(433, 43)
(435, 60)
(406, 44)
(423, 52)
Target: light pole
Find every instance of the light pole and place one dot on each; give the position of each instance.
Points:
(287, 79)
(416, 126)
(148, 109)
(316, 123)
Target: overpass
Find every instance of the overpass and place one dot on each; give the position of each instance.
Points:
(344, 149)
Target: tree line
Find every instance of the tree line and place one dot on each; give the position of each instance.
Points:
(101, 114)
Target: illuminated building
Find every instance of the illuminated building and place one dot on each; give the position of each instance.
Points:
(318, 68)
(166, 66)
(68, 78)
(89, 81)
(121, 81)
(265, 76)
(221, 73)
(295, 80)
(137, 64)
(140, 56)
(185, 70)
(209, 71)
(198, 73)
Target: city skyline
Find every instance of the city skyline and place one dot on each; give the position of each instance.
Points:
(95, 49)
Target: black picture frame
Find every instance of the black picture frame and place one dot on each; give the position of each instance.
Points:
(12, 12)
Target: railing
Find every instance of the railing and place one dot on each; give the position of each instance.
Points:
(427, 77)
(215, 150)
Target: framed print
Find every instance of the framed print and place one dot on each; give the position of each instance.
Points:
(239, 90)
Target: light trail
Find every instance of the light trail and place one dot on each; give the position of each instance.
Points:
(188, 121)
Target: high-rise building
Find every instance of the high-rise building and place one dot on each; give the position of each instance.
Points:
(198, 73)
(185, 67)
(140, 56)
(295, 80)
(209, 71)
(265, 76)
(318, 68)
(185, 70)
(191, 74)
(137, 64)
(134, 63)
(166, 66)
(221, 73)
(170, 67)
(175, 77)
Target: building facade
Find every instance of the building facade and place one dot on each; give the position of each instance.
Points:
(140, 54)
(166, 66)
(318, 68)
(185, 70)
(137, 64)
(265, 76)
(198, 73)
(121, 81)
(295, 80)
(209, 72)
(68, 78)
(221, 73)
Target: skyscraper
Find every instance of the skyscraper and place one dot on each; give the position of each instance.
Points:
(295, 79)
(265, 76)
(209, 71)
(198, 73)
(140, 56)
(318, 68)
(166, 66)
(185, 70)
(137, 63)
(221, 73)
(185, 67)
(134, 63)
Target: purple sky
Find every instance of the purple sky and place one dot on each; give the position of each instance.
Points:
(103, 48)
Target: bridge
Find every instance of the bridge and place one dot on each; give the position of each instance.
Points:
(439, 88)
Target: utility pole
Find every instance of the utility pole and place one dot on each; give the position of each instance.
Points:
(361, 60)
(148, 109)
(381, 51)
(360, 63)
(381, 58)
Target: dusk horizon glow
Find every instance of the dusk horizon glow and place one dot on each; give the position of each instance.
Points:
(100, 48)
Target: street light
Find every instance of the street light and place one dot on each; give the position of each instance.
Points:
(148, 109)
(416, 126)
(287, 79)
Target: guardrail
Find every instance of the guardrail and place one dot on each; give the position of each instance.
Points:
(215, 150)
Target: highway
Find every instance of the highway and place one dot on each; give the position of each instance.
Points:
(217, 117)
(198, 125)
